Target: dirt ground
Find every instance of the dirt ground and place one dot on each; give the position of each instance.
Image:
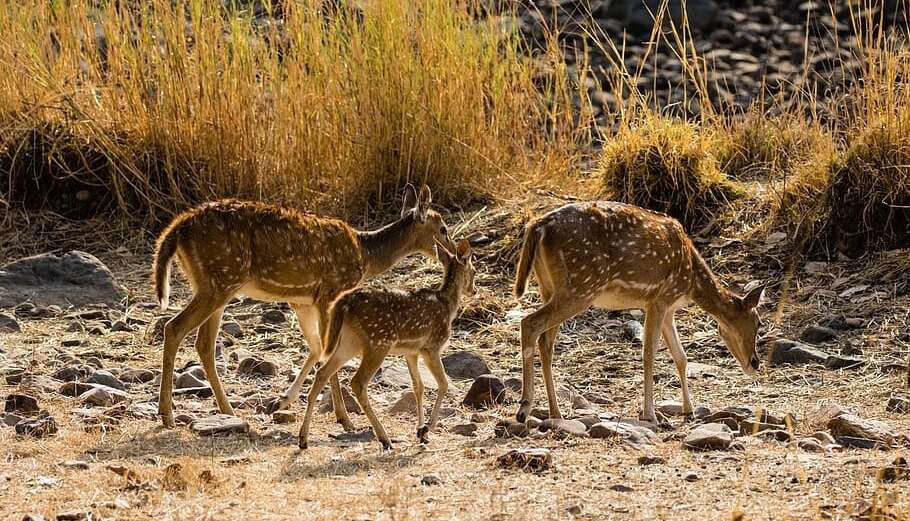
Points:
(128, 473)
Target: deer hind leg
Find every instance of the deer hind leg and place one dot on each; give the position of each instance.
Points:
(370, 363)
(547, 317)
(417, 386)
(308, 320)
(326, 372)
(205, 347)
(671, 337)
(192, 316)
(434, 364)
(545, 345)
(654, 319)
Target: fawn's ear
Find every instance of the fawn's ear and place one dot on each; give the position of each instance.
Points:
(443, 254)
(463, 250)
(423, 202)
(410, 199)
(754, 297)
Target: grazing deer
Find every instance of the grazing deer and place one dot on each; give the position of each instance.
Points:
(373, 323)
(618, 256)
(280, 255)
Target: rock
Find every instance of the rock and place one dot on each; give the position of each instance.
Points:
(405, 404)
(898, 404)
(103, 396)
(464, 429)
(898, 470)
(239, 354)
(790, 352)
(219, 424)
(430, 480)
(22, 404)
(477, 417)
(775, 434)
(565, 427)
(33, 517)
(511, 429)
(184, 419)
(189, 380)
(824, 438)
(690, 476)
(8, 324)
(94, 361)
(40, 427)
(710, 436)
(75, 464)
(74, 515)
(534, 460)
(284, 416)
(73, 389)
(464, 365)
(634, 435)
(828, 412)
(843, 362)
(621, 487)
(326, 405)
(233, 329)
(106, 378)
(10, 419)
(513, 384)
(73, 372)
(851, 426)
(598, 398)
(204, 391)
(633, 331)
(589, 420)
(273, 316)
(397, 375)
(651, 460)
(121, 326)
(73, 279)
(257, 367)
(137, 376)
(816, 334)
(487, 390)
(809, 445)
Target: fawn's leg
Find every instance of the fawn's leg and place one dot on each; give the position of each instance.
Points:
(434, 364)
(372, 359)
(205, 347)
(192, 316)
(417, 385)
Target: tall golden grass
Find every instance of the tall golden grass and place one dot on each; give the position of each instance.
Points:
(167, 103)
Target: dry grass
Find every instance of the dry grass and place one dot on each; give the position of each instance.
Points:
(667, 166)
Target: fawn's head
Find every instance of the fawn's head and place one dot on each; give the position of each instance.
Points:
(427, 227)
(459, 267)
(739, 330)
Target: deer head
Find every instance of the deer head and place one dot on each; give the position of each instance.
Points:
(739, 329)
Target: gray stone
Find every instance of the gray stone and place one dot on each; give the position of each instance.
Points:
(843, 362)
(284, 416)
(816, 334)
(633, 331)
(430, 480)
(535, 460)
(21, 404)
(397, 375)
(634, 435)
(103, 396)
(326, 405)
(40, 427)
(513, 384)
(790, 352)
(273, 316)
(137, 376)
(256, 367)
(511, 429)
(74, 515)
(464, 365)
(73, 372)
(106, 378)
(851, 426)
(898, 404)
(405, 404)
(598, 398)
(204, 391)
(9, 324)
(74, 279)
(10, 419)
(487, 390)
(565, 427)
(233, 329)
(121, 326)
(464, 429)
(73, 389)
(189, 380)
(219, 424)
(710, 436)
(239, 354)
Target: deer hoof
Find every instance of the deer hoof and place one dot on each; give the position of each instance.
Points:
(422, 434)
(275, 404)
(302, 444)
(386, 444)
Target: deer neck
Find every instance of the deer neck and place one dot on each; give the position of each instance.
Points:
(449, 293)
(382, 248)
(709, 293)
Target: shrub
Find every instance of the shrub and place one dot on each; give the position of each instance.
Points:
(667, 166)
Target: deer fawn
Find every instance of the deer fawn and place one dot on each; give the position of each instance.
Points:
(280, 255)
(618, 256)
(373, 323)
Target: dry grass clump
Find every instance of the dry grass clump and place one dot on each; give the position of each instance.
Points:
(761, 146)
(331, 108)
(668, 166)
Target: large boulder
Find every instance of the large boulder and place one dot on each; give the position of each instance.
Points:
(73, 279)
(464, 365)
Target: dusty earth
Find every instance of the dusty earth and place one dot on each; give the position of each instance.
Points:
(117, 462)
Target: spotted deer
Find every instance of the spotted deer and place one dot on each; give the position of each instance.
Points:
(617, 256)
(276, 254)
(372, 323)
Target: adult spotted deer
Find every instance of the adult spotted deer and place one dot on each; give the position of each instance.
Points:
(617, 256)
(373, 323)
(276, 254)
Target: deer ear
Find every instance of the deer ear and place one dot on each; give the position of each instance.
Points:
(754, 297)
(463, 250)
(423, 202)
(410, 199)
